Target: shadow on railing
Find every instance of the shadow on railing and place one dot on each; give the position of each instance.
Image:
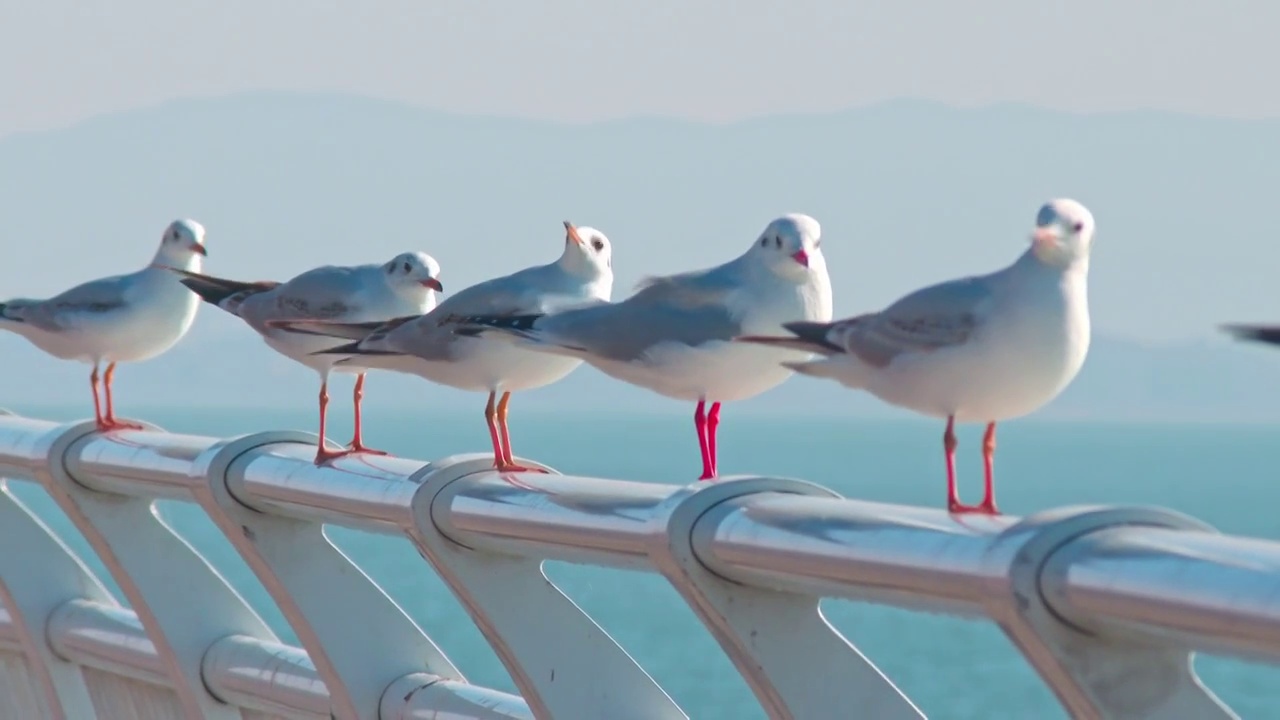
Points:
(1107, 604)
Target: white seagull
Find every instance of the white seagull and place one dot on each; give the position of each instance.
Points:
(125, 318)
(425, 345)
(978, 349)
(674, 335)
(407, 283)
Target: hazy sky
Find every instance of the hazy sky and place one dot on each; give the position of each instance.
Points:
(64, 60)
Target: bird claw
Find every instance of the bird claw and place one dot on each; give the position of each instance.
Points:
(362, 450)
(513, 467)
(323, 457)
(956, 507)
(109, 424)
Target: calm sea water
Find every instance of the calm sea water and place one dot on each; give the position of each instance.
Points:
(951, 668)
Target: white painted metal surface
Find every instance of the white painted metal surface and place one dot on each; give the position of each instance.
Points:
(1107, 604)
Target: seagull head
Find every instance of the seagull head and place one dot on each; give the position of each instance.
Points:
(1063, 234)
(791, 246)
(587, 252)
(182, 245)
(414, 275)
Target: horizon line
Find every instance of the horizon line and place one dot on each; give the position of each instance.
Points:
(874, 106)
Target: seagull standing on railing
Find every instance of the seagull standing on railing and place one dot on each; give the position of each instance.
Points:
(977, 349)
(427, 346)
(673, 336)
(405, 284)
(125, 318)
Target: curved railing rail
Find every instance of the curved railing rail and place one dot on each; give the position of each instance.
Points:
(1107, 604)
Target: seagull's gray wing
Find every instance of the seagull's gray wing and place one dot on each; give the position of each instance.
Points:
(85, 303)
(328, 294)
(535, 290)
(934, 317)
(689, 310)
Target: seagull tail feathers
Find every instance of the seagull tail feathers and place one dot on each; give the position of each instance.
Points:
(321, 328)
(353, 348)
(223, 293)
(1269, 334)
(4, 315)
(805, 336)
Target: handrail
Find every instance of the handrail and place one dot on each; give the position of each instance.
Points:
(1106, 603)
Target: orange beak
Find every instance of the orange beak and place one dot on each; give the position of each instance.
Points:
(571, 233)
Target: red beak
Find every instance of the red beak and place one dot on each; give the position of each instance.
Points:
(571, 233)
(198, 249)
(801, 257)
(434, 284)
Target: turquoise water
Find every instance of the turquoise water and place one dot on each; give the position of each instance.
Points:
(951, 668)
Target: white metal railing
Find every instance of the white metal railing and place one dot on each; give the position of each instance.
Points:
(1106, 603)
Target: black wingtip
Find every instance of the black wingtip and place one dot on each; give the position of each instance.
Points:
(348, 349)
(813, 333)
(353, 349)
(504, 322)
(1269, 334)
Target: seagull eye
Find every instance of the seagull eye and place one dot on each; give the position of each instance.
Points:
(777, 242)
(1077, 227)
(597, 244)
(406, 266)
(764, 242)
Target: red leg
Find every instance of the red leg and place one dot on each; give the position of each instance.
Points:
(989, 461)
(490, 417)
(713, 422)
(108, 420)
(508, 462)
(700, 425)
(357, 440)
(97, 404)
(323, 455)
(949, 443)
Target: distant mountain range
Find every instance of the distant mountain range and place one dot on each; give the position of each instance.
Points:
(908, 193)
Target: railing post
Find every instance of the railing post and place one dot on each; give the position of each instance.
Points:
(359, 639)
(181, 601)
(798, 666)
(38, 573)
(1094, 676)
(565, 665)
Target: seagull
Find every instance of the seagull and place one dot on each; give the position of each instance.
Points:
(124, 318)
(978, 349)
(425, 345)
(407, 283)
(674, 335)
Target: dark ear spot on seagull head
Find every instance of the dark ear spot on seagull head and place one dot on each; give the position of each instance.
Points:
(414, 271)
(790, 243)
(1063, 232)
(586, 250)
(185, 236)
